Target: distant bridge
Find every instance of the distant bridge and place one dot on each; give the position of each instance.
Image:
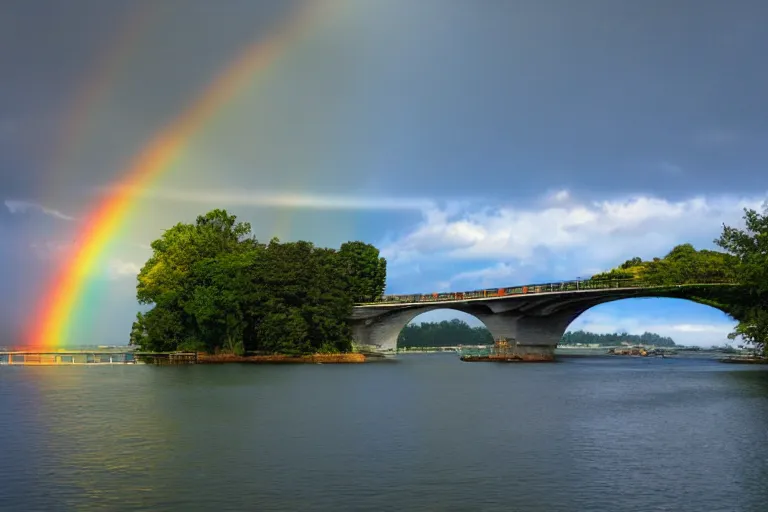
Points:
(534, 316)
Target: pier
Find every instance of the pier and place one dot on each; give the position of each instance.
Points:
(65, 357)
(91, 357)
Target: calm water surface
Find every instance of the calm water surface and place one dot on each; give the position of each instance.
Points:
(427, 432)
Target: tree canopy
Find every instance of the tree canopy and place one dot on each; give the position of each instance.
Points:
(683, 264)
(213, 287)
(749, 247)
(448, 333)
(615, 339)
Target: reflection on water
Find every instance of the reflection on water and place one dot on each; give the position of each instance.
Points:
(425, 432)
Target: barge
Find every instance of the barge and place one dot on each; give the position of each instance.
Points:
(502, 352)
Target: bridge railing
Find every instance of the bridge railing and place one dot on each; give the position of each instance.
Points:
(556, 287)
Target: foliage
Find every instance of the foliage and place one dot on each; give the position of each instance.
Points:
(215, 288)
(443, 334)
(366, 270)
(683, 264)
(615, 339)
(749, 247)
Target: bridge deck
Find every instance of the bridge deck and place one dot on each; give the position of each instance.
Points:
(570, 287)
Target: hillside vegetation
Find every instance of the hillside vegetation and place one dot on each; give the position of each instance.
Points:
(745, 261)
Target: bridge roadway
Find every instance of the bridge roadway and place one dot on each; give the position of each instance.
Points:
(535, 316)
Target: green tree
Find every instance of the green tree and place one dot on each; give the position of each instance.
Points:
(158, 330)
(219, 301)
(753, 329)
(749, 247)
(683, 264)
(366, 270)
(168, 281)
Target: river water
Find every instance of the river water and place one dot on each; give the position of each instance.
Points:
(426, 432)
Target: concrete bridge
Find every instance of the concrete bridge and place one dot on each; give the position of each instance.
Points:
(534, 316)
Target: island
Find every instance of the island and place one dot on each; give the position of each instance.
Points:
(210, 288)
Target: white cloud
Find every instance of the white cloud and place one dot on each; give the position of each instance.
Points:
(285, 199)
(485, 277)
(121, 269)
(15, 207)
(697, 328)
(578, 236)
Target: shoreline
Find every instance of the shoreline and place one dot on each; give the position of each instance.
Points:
(349, 358)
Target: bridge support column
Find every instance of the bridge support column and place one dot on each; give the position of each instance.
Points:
(379, 334)
(501, 325)
(536, 336)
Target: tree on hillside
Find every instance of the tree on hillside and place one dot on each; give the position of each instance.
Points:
(750, 247)
(683, 264)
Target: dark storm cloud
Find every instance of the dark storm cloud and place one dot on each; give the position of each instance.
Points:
(49, 51)
(597, 95)
(527, 95)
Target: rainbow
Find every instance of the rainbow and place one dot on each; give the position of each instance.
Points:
(53, 316)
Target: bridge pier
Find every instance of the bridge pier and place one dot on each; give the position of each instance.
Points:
(536, 336)
(379, 333)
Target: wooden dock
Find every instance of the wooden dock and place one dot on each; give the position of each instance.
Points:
(166, 358)
(65, 357)
(93, 357)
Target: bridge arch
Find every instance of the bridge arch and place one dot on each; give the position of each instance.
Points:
(443, 327)
(665, 311)
(378, 330)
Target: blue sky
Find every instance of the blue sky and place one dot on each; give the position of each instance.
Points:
(477, 144)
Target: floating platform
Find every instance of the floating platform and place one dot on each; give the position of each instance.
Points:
(505, 352)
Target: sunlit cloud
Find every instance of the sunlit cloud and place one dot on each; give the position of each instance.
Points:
(123, 269)
(261, 198)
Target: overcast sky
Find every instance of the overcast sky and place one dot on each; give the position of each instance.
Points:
(477, 143)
